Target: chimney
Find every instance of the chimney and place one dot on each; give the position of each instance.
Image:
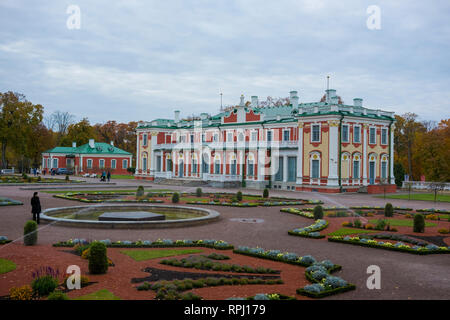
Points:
(74, 144)
(112, 143)
(330, 93)
(254, 101)
(294, 99)
(203, 116)
(177, 116)
(91, 143)
(357, 102)
(334, 100)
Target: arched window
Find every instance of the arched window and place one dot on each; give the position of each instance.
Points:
(315, 165)
(356, 166)
(250, 165)
(217, 164)
(384, 167)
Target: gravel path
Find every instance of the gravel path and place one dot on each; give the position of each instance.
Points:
(403, 276)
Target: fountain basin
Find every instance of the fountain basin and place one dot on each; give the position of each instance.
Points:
(131, 216)
(89, 216)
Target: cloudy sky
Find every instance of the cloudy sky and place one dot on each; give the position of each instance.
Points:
(139, 60)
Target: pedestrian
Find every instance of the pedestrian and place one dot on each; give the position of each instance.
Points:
(103, 178)
(108, 176)
(35, 207)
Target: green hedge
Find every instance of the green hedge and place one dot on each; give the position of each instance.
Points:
(326, 293)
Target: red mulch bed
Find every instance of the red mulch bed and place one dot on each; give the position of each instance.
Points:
(118, 278)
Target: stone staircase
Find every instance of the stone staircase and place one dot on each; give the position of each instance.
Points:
(181, 182)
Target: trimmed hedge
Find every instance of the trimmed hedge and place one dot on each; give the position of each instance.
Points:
(381, 246)
(30, 233)
(98, 261)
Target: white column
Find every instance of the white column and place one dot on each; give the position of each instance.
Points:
(138, 155)
(261, 163)
(333, 157)
(152, 156)
(365, 155)
(285, 168)
(81, 163)
(300, 154)
(391, 160)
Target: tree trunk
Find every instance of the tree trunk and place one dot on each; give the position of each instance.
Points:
(3, 154)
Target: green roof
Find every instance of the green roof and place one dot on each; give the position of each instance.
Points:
(99, 148)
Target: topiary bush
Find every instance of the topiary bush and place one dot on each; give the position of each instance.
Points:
(419, 223)
(98, 261)
(140, 191)
(199, 192)
(388, 210)
(318, 212)
(239, 196)
(67, 178)
(30, 233)
(175, 197)
(57, 295)
(266, 193)
(44, 285)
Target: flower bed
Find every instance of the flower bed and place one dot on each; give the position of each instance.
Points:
(398, 246)
(311, 231)
(265, 296)
(302, 212)
(433, 210)
(328, 284)
(9, 202)
(164, 243)
(223, 203)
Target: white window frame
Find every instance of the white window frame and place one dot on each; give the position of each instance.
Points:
(100, 163)
(311, 156)
(375, 135)
(347, 130)
(91, 161)
(312, 132)
(384, 130)
(359, 168)
(357, 128)
(230, 136)
(145, 140)
(269, 131)
(113, 164)
(289, 134)
(254, 136)
(125, 164)
(57, 162)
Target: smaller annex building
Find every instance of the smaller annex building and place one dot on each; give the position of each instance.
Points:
(92, 157)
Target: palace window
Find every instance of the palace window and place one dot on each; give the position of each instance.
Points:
(145, 140)
(315, 136)
(286, 135)
(372, 135)
(125, 163)
(89, 163)
(357, 134)
(345, 133)
(113, 163)
(356, 169)
(101, 163)
(384, 136)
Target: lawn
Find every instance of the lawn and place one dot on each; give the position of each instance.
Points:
(142, 255)
(122, 176)
(6, 266)
(99, 295)
(90, 191)
(402, 223)
(348, 231)
(419, 196)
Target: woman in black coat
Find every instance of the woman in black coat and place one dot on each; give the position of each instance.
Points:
(35, 207)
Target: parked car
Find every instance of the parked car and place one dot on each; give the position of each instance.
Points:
(63, 171)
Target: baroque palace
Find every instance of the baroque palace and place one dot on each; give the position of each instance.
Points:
(324, 146)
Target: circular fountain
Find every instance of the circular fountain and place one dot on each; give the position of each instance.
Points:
(128, 216)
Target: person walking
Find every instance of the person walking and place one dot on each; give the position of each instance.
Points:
(36, 207)
(108, 176)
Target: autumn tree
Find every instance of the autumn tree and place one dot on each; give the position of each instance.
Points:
(79, 132)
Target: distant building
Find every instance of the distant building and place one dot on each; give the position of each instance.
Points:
(324, 146)
(92, 157)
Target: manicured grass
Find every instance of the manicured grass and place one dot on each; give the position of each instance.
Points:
(402, 223)
(6, 266)
(141, 255)
(122, 176)
(99, 295)
(90, 191)
(348, 231)
(419, 196)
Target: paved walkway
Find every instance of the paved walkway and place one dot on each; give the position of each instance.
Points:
(403, 276)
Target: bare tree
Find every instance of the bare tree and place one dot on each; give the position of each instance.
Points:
(62, 120)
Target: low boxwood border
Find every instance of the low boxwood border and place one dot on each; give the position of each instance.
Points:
(9, 202)
(153, 245)
(5, 241)
(326, 293)
(308, 234)
(378, 246)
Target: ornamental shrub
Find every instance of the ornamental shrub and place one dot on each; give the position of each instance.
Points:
(57, 295)
(318, 212)
(98, 261)
(140, 191)
(266, 193)
(239, 196)
(381, 224)
(67, 178)
(419, 223)
(199, 192)
(175, 197)
(357, 223)
(388, 210)
(30, 233)
(44, 285)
